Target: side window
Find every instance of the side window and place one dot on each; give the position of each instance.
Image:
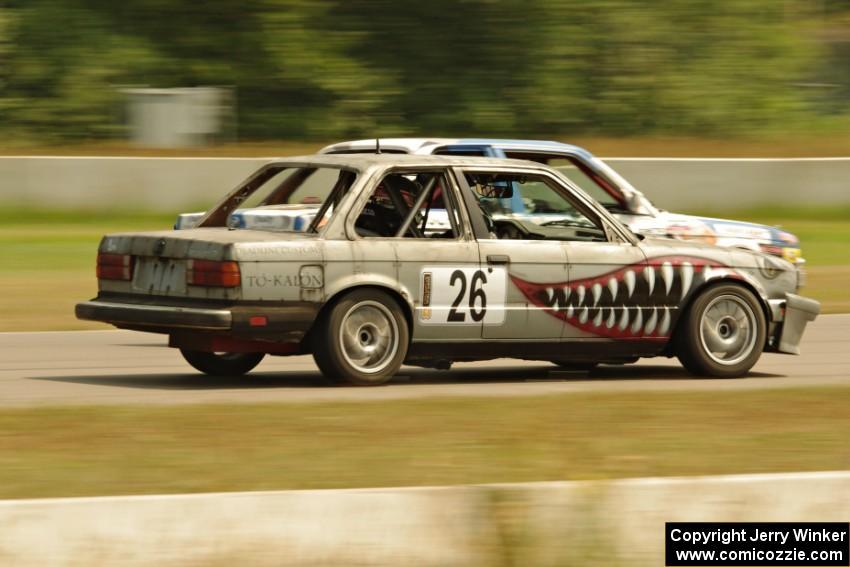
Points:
(532, 207)
(409, 205)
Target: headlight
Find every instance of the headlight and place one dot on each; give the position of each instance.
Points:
(791, 254)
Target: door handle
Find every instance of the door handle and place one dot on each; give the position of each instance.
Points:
(498, 259)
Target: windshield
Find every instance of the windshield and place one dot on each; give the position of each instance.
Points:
(595, 178)
(280, 198)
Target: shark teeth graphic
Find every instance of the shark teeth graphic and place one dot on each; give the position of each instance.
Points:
(664, 328)
(687, 272)
(596, 290)
(649, 274)
(653, 321)
(624, 318)
(638, 301)
(667, 276)
(612, 287)
(638, 322)
(597, 321)
(629, 278)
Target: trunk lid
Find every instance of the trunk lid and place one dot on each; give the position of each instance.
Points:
(161, 259)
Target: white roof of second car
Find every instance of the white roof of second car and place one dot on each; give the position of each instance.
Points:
(407, 145)
(363, 161)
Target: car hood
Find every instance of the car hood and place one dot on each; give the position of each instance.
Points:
(709, 228)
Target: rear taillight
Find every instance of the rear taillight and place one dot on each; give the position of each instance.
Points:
(214, 274)
(115, 267)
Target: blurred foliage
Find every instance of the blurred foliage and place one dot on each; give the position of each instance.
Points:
(310, 69)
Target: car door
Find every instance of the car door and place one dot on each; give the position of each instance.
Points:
(609, 290)
(573, 270)
(518, 261)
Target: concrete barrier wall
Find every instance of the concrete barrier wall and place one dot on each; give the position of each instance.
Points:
(733, 184)
(176, 184)
(541, 524)
(167, 184)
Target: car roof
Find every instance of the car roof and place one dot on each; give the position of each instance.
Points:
(363, 161)
(417, 145)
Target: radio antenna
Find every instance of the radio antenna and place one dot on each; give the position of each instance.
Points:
(377, 145)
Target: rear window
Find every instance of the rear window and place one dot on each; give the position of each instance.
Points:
(290, 199)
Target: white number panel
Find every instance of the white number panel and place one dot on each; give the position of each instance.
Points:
(462, 295)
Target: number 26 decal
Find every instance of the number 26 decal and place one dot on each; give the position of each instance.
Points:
(462, 295)
(476, 291)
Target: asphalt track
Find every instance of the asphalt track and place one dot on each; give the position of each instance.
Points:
(120, 367)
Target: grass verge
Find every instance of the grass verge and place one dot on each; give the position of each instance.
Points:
(47, 263)
(135, 450)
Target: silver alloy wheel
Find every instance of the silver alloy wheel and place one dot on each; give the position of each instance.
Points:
(368, 337)
(727, 329)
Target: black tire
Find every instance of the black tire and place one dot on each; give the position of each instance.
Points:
(222, 364)
(725, 316)
(374, 348)
(576, 366)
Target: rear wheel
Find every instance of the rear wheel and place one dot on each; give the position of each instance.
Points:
(222, 363)
(722, 333)
(362, 339)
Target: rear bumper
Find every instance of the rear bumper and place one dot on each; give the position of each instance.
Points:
(280, 322)
(155, 315)
(790, 317)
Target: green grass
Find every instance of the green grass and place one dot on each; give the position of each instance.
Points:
(47, 258)
(47, 261)
(133, 450)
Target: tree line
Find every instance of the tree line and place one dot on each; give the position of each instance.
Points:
(326, 69)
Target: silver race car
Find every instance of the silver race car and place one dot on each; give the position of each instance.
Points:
(372, 282)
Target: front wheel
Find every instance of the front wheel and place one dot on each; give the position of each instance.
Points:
(723, 332)
(362, 339)
(222, 363)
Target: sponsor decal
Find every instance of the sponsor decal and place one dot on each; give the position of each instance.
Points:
(638, 301)
(276, 251)
(263, 280)
(697, 232)
(731, 230)
(426, 295)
